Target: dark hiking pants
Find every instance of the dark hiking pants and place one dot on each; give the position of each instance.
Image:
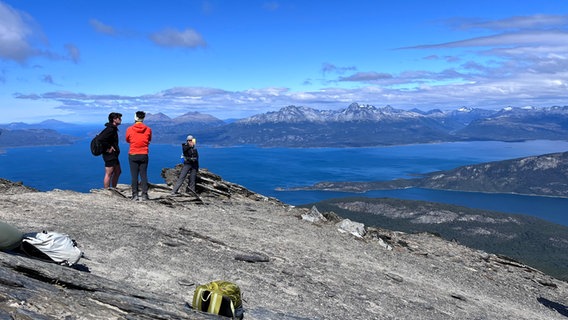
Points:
(187, 168)
(139, 167)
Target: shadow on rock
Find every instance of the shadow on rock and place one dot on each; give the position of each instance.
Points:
(558, 307)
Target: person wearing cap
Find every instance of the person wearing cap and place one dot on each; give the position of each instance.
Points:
(190, 164)
(139, 136)
(109, 139)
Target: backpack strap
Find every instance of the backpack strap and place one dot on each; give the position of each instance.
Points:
(198, 297)
(215, 303)
(218, 295)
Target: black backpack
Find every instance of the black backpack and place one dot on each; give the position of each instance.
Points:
(96, 146)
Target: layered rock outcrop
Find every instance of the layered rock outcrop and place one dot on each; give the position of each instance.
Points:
(144, 259)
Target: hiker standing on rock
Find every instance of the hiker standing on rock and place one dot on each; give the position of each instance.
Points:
(139, 136)
(190, 164)
(109, 139)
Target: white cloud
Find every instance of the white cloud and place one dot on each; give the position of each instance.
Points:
(518, 67)
(21, 39)
(15, 30)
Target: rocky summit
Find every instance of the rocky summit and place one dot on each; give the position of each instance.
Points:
(144, 259)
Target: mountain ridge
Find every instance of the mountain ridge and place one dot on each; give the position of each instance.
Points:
(358, 125)
(542, 175)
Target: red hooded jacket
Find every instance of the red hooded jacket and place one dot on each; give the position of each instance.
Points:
(139, 136)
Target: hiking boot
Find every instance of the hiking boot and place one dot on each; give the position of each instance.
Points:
(134, 198)
(144, 197)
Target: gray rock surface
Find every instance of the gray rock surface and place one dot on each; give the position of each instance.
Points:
(144, 259)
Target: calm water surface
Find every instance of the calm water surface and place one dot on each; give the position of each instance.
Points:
(263, 170)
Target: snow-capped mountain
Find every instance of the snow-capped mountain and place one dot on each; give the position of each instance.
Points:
(358, 125)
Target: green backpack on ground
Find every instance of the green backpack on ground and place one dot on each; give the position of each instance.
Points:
(10, 237)
(219, 297)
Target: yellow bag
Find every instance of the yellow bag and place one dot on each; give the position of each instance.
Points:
(219, 297)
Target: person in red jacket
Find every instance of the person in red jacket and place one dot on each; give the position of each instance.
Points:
(139, 136)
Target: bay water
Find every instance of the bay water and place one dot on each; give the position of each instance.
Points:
(264, 170)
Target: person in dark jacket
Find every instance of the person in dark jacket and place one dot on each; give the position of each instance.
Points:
(139, 136)
(190, 165)
(109, 139)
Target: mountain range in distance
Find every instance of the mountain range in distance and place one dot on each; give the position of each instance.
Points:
(355, 126)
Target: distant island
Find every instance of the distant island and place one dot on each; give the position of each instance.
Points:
(33, 137)
(543, 175)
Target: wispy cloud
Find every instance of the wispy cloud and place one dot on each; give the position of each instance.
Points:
(48, 79)
(537, 21)
(331, 68)
(525, 61)
(271, 5)
(496, 93)
(168, 37)
(73, 52)
(187, 38)
(366, 76)
(179, 100)
(102, 28)
(533, 38)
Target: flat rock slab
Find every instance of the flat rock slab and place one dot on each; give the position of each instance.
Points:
(144, 260)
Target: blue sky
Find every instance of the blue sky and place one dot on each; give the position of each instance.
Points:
(76, 61)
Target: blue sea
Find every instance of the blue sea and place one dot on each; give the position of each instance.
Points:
(264, 170)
